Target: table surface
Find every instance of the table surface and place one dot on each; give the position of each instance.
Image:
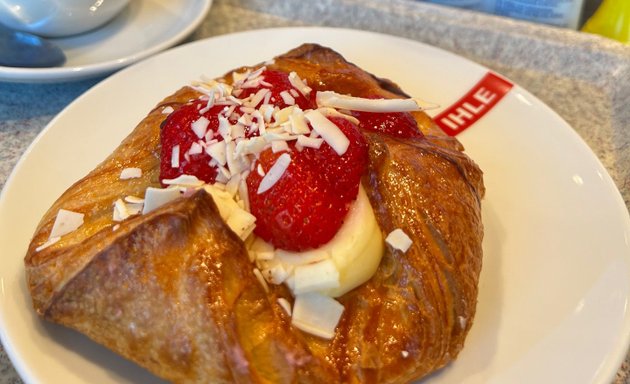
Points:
(584, 78)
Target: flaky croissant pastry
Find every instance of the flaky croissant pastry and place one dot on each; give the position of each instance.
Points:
(173, 289)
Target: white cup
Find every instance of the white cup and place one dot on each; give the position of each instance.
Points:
(57, 18)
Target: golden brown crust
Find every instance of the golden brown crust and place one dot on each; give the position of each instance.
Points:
(174, 291)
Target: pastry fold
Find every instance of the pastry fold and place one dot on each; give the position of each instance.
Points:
(174, 291)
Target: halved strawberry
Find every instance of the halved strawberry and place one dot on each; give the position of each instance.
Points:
(177, 131)
(308, 204)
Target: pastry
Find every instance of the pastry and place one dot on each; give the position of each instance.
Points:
(144, 259)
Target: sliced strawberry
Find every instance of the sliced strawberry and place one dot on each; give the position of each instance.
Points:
(308, 204)
(279, 83)
(177, 130)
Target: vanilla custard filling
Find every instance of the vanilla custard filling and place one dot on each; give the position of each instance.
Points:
(348, 260)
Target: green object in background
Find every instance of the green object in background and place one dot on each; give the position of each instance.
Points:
(612, 19)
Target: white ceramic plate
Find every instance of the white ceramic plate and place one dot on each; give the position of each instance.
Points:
(556, 275)
(144, 28)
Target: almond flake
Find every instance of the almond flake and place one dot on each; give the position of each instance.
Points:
(275, 173)
(168, 110)
(130, 173)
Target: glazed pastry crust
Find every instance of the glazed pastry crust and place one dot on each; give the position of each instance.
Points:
(174, 291)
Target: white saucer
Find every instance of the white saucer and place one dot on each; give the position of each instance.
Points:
(144, 28)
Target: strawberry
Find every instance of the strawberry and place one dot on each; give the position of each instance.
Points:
(177, 130)
(398, 124)
(308, 204)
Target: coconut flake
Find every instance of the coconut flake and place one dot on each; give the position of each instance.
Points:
(299, 84)
(318, 276)
(284, 304)
(195, 149)
(225, 130)
(279, 146)
(399, 240)
(175, 157)
(241, 222)
(287, 98)
(332, 112)
(134, 199)
(316, 314)
(48, 243)
(282, 115)
(255, 100)
(309, 142)
(66, 222)
(200, 126)
(276, 274)
(298, 123)
(130, 173)
(275, 173)
(120, 211)
(261, 279)
(328, 131)
(156, 197)
(168, 110)
(339, 101)
(217, 152)
(184, 180)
